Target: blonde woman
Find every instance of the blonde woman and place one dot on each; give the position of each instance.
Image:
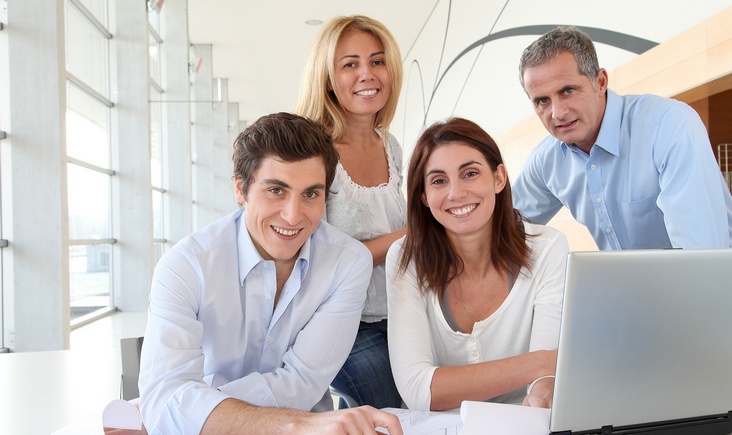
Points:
(350, 85)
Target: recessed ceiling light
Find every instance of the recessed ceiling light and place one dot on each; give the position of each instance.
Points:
(314, 22)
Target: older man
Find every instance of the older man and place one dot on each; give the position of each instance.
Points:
(637, 170)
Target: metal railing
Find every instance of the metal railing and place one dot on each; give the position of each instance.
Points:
(724, 158)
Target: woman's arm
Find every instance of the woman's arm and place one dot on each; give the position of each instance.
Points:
(485, 380)
(410, 338)
(380, 245)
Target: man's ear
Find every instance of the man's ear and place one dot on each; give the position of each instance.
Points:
(500, 176)
(601, 81)
(241, 196)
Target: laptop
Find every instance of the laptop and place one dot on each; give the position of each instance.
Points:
(645, 343)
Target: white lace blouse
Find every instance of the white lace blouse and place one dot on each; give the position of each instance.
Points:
(365, 213)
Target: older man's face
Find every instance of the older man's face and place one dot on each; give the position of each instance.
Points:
(569, 104)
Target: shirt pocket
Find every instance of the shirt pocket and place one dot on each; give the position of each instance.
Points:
(643, 223)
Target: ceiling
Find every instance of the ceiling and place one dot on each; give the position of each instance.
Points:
(260, 46)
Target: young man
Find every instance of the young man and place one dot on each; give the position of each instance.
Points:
(637, 170)
(259, 310)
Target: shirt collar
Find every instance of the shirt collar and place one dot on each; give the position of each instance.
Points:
(609, 136)
(249, 257)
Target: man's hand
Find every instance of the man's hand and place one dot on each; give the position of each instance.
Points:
(360, 420)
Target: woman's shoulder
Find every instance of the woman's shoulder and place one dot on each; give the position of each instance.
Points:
(394, 252)
(390, 142)
(543, 234)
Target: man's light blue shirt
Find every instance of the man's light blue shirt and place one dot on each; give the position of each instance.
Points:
(212, 312)
(650, 180)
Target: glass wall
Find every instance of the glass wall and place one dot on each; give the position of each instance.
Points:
(89, 166)
(157, 112)
(3, 97)
(119, 155)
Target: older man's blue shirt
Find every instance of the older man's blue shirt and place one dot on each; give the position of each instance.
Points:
(650, 180)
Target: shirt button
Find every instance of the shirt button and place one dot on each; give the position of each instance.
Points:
(608, 230)
(475, 354)
(593, 167)
(268, 296)
(599, 200)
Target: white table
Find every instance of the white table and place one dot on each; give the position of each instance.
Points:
(41, 392)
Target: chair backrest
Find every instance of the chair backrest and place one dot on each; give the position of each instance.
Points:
(130, 349)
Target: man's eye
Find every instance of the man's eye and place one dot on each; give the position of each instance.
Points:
(276, 190)
(312, 194)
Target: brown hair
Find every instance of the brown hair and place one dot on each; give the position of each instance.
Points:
(426, 244)
(288, 137)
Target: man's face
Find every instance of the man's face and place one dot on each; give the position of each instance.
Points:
(569, 104)
(283, 205)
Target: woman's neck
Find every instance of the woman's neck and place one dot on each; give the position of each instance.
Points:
(359, 131)
(474, 250)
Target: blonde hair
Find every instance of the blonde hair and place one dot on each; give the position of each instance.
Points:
(317, 99)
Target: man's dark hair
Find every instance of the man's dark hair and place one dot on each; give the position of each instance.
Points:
(286, 137)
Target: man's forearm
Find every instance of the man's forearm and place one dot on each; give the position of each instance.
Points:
(233, 416)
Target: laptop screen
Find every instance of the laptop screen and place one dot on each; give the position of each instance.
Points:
(645, 340)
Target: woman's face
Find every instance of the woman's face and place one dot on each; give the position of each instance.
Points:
(460, 189)
(362, 80)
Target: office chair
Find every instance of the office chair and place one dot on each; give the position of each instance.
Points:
(130, 349)
(345, 399)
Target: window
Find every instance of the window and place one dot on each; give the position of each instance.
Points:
(88, 149)
(4, 96)
(157, 109)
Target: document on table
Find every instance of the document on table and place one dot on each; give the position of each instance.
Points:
(428, 423)
(475, 418)
(488, 418)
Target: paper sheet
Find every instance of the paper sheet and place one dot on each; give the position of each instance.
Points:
(487, 418)
(427, 423)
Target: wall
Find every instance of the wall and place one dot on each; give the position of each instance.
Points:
(692, 65)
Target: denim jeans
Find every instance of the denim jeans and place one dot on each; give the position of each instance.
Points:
(366, 375)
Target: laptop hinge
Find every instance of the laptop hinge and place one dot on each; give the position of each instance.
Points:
(606, 430)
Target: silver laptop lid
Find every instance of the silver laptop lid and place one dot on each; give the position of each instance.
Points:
(646, 336)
